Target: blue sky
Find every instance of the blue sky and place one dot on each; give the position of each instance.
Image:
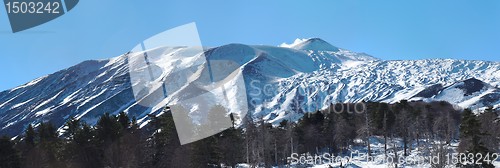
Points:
(389, 29)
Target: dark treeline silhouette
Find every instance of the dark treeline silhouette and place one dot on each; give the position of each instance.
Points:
(117, 141)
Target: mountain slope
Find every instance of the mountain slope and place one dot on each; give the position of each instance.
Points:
(470, 93)
(281, 82)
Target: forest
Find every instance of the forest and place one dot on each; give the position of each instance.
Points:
(117, 140)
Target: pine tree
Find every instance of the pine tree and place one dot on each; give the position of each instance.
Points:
(84, 134)
(165, 141)
(108, 129)
(50, 145)
(230, 143)
(134, 124)
(47, 132)
(470, 136)
(30, 136)
(9, 157)
(206, 152)
(71, 127)
(82, 148)
(124, 120)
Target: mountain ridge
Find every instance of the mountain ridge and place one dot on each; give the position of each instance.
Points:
(310, 78)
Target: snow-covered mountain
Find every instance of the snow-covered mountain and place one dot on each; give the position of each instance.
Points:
(281, 82)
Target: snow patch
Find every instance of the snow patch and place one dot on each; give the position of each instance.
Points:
(31, 83)
(20, 104)
(43, 112)
(48, 100)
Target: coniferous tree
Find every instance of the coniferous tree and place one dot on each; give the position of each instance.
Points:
(108, 129)
(134, 124)
(124, 120)
(30, 136)
(206, 152)
(81, 148)
(165, 140)
(47, 132)
(9, 156)
(50, 145)
(470, 136)
(231, 144)
(71, 127)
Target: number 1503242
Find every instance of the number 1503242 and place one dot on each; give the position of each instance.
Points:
(33, 7)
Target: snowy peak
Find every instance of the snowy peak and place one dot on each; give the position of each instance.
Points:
(322, 51)
(315, 44)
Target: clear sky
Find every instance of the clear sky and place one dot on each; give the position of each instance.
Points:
(387, 29)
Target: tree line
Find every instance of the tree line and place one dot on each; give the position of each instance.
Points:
(117, 141)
